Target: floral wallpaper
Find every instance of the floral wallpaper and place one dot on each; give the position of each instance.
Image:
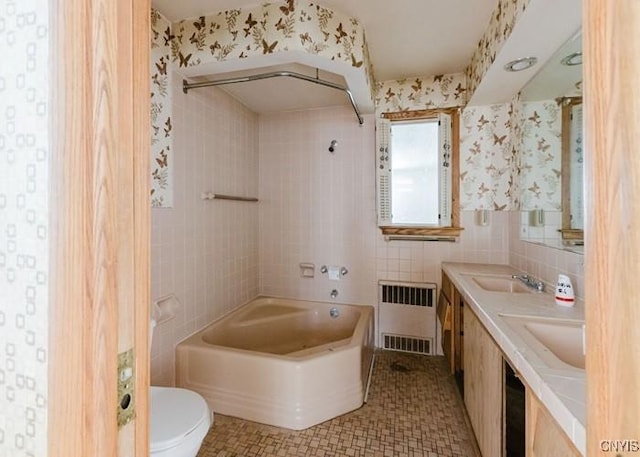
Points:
(161, 125)
(439, 91)
(486, 158)
(515, 128)
(272, 28)
(500, 26)
(541, 156)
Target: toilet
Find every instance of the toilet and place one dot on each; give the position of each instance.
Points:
(180, 419)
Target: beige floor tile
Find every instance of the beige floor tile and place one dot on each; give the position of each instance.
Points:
(413, 409)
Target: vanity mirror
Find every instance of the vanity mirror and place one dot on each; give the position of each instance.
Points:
(550, 151)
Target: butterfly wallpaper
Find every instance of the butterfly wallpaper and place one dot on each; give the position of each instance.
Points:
(501, 24)
(161, 126)
(280, 26)
(486, 158)
(439, 91)
(540, 156)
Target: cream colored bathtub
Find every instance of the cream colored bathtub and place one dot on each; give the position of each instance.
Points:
(281, 362)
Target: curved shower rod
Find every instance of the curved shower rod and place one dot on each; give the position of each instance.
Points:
(186, 86)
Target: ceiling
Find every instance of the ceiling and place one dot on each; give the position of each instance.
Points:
(406, 38)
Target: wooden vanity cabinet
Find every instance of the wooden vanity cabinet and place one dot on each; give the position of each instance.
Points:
(483, 385)
(477, 362)
(450, 316)
(544, 436)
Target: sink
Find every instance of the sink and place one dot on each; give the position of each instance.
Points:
(563, 339)
(553, 340)
(501, 284)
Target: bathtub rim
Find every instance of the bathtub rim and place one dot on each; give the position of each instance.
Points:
(338, 345)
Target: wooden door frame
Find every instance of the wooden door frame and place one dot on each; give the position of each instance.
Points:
(100, 159)
(612, 239)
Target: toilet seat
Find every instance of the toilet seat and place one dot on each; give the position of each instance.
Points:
(178, 416)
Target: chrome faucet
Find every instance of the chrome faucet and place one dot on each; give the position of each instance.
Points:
(530, 281)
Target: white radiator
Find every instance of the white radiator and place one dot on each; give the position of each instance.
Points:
(407, 316)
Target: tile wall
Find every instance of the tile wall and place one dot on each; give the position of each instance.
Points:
(205, 252)
(319, 207)
(544, 262)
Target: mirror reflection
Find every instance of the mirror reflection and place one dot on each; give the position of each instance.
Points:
(551, 151)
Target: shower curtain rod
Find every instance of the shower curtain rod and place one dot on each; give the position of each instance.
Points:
(186, 86)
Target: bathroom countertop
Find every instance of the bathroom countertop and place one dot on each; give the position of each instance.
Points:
(562, 391)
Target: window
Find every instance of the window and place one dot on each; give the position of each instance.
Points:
(416, 168)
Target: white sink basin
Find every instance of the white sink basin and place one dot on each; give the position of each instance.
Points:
(501, 284)
(558, 342)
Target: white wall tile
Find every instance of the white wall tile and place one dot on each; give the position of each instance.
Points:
(336, 192)
(544, 262)
(205, 252)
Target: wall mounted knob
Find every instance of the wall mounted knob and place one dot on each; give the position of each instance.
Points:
(332, 146)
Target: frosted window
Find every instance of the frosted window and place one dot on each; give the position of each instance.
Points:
(414, 188)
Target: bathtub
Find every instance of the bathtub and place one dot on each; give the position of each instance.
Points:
(281, 362)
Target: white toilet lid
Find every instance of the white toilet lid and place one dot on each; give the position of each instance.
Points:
(174, 414)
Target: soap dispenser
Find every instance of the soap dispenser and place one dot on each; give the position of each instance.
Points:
(564, 291)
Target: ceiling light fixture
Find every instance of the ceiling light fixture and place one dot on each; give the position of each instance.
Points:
(572, 59)
(521, 64)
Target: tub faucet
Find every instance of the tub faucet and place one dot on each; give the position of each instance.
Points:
(530, 281)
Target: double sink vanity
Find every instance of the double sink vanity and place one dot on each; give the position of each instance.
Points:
(515, 354)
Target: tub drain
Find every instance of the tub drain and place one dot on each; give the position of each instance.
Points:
(395, 366)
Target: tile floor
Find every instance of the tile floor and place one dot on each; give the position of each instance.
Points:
(413, 410)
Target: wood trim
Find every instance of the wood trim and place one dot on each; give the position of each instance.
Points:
(70, 206)
(612, 243)
(572, 234)
(422, 231)
(420, 114)
(84, 313)
(455, 228)
(455, 168)
(99, 222)
(142, 218)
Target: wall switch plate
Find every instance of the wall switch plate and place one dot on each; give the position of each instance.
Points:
(126, 387)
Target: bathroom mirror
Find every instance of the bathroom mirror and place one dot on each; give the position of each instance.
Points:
(550, 151)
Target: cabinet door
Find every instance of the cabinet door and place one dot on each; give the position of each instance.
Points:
(545, 438)
(445, 317)
(458, 331)
(483, 385)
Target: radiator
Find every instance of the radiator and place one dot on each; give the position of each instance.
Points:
(407, 317)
